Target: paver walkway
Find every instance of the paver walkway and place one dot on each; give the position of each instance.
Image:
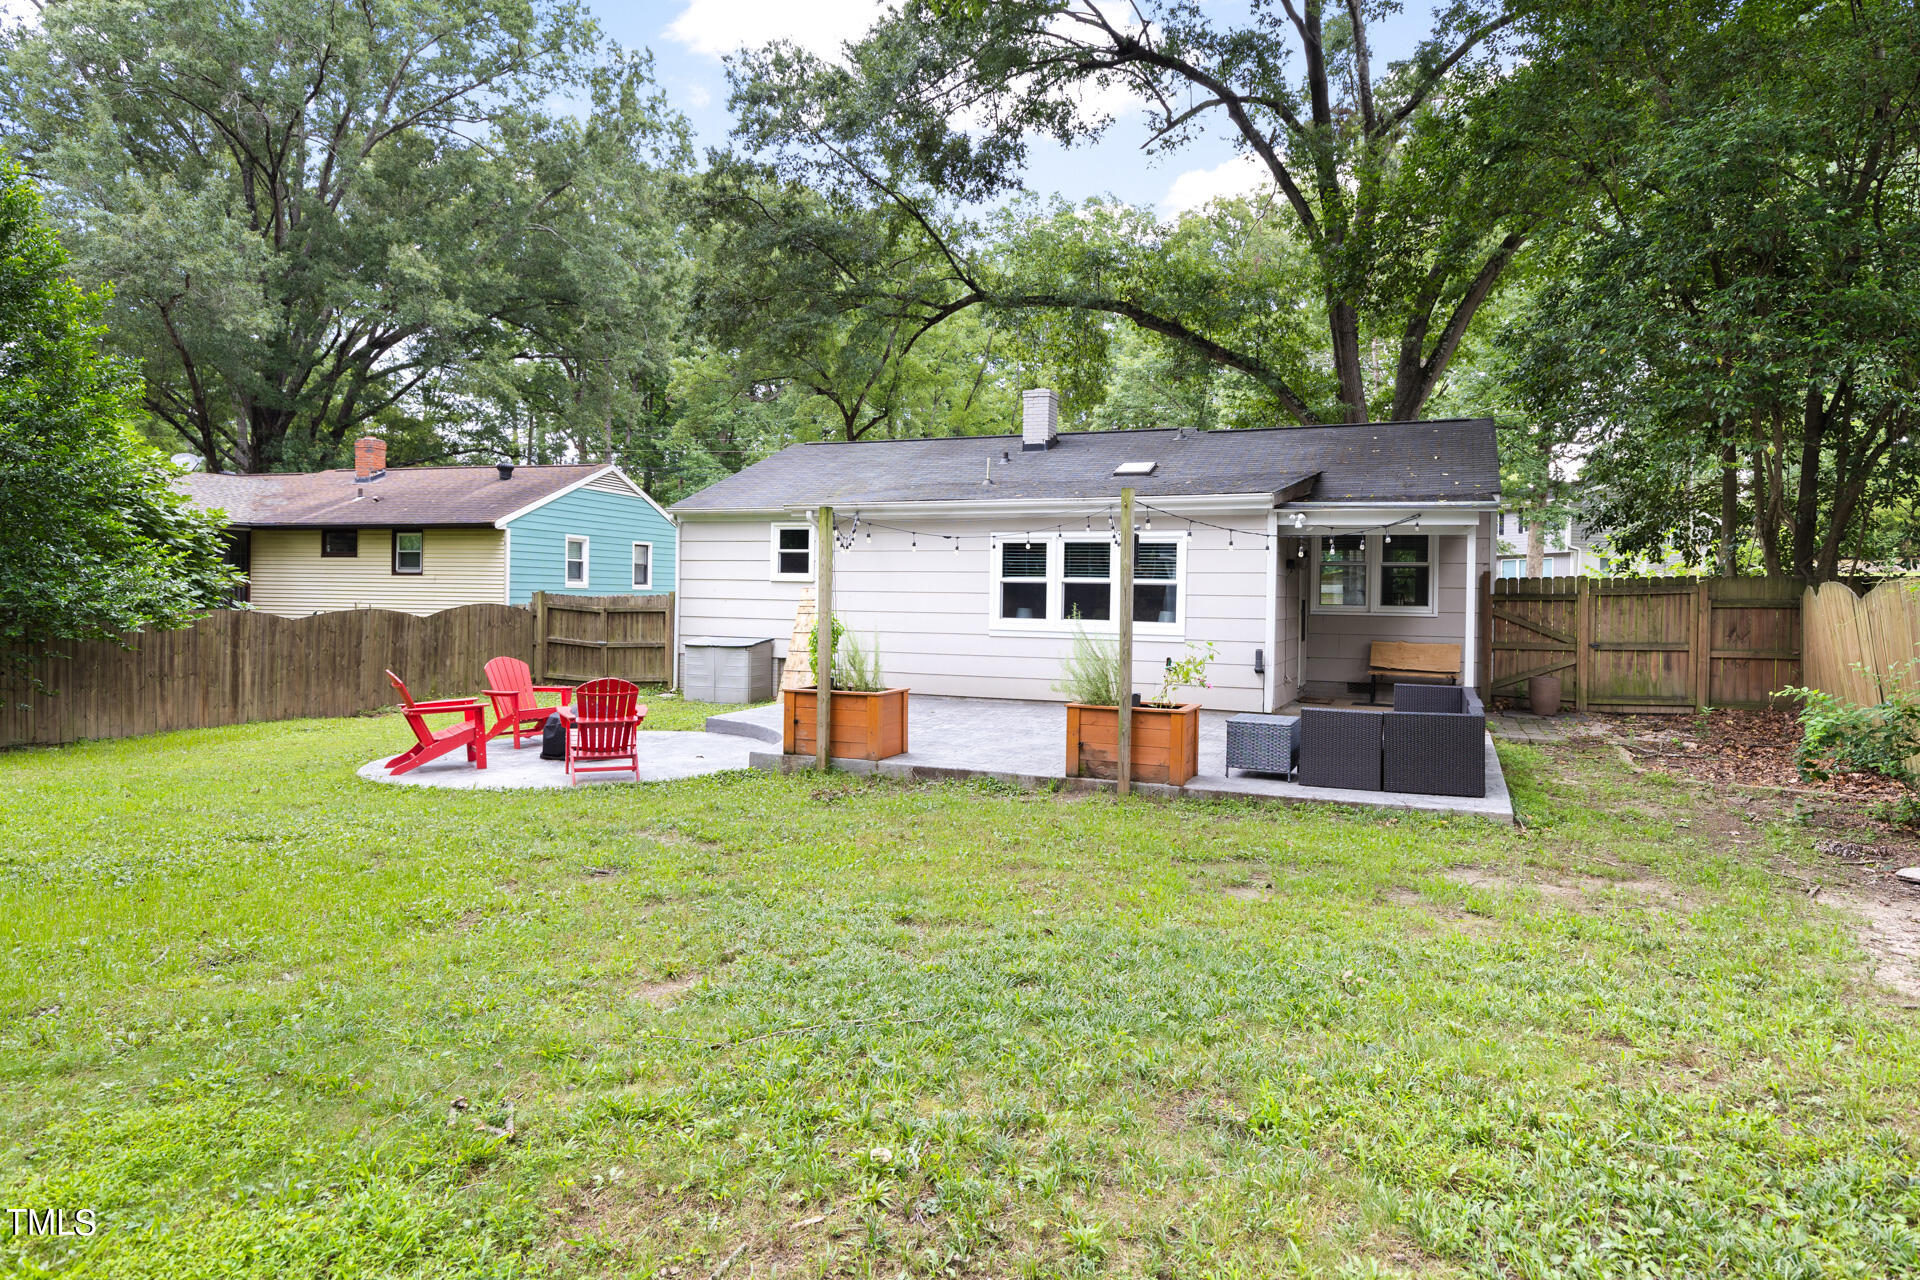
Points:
(1025, 743)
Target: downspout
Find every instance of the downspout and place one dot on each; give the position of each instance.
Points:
(1470, 637)
(678, 643)
(1273, 610)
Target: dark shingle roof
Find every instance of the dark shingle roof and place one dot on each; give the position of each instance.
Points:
(403, 496)
(1451, 460)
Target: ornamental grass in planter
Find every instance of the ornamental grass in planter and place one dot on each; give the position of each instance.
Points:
(869, 719)
(1166, 734)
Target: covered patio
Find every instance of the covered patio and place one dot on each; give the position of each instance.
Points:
(1024, 743)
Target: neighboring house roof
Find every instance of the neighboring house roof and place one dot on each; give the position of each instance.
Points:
(400, 497)
(1450, 461)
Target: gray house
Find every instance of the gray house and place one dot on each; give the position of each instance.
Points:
(1290, 549)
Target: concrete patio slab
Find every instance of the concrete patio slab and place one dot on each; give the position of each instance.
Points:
(1024, 743)
(666, 755)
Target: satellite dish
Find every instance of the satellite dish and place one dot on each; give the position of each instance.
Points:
(188, 461)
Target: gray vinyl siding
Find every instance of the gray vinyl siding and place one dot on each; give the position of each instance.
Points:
(929, 607)
(1337, 643)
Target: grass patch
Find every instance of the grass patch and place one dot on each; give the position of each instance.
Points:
(270, 1020)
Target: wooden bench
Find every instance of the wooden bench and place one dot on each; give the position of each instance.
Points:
(1402, 660)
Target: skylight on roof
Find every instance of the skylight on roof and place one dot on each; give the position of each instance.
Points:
(1135, 468)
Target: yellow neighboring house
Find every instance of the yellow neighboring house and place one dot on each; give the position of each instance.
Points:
(421, 539)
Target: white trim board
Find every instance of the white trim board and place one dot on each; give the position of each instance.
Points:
(582, 483)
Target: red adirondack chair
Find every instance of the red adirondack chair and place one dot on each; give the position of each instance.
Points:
(515, 698)
(470, 733)
(606, 720)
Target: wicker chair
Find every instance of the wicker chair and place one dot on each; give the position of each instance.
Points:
(1340, 747)
(1433, 742)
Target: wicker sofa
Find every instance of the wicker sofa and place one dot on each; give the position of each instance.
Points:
(1340, 747)
(1433, 742)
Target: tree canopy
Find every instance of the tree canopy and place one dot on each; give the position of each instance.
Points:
(95, 542)
(317, 214)
(1731, 336)
(1406, 189)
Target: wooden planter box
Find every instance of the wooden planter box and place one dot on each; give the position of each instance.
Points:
(866, 726)
(1166, 742)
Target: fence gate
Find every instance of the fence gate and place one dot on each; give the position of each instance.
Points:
(585, 637)
(1645, 644)
(1640, 644)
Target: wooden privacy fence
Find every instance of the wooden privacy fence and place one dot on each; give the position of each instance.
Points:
(1644, 644)
(233, 667)
(585, 637)
(1860, 649)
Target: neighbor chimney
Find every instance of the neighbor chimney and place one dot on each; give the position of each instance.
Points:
(505, 469)
(1039, 419)
(369, 458)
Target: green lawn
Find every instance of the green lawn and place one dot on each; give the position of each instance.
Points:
(866, 1029)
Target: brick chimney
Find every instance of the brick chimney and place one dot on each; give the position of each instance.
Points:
(369, 458)
(1039, 419)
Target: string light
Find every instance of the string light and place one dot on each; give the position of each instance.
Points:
(1298, 520)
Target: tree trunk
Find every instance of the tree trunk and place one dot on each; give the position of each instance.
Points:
(1723, 557)
(1536, 549)
(1806, 505)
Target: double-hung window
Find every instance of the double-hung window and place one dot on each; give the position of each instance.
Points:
(1406, 571)
(790, 557)
(1022, 591)
(642, 565)
(1050, 583)
(1343, 572)
(1374, 573)
(1086, 580)
(1156, 582)
(409, 551)
(576, 561)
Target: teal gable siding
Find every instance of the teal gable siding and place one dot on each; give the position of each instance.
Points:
(537, 557)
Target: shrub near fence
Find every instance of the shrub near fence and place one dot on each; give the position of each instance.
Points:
(233, 667)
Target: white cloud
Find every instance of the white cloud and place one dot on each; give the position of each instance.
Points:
(718, 27)
(1240, 176)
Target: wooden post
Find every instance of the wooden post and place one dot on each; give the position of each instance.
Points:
(1123, 611)
(539, 637)
(1582, 640)
(1702, 643)
(823, 638)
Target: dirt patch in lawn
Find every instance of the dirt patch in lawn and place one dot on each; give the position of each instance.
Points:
(1748, 747)
(667, 990)
(1582, 893)
(1890, 931)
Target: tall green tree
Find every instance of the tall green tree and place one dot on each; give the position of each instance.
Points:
(1734, 340)
(312, 211)
(1410, 188)
(853, 306)
(95, 542)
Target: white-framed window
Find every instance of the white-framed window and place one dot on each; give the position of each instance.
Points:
(1375, 573)
(790, 553)
(1047, 583)
(409, 551)
(642, 565)
(1022, 590)
(576, 560)
(1342, 574)
(1513, 567)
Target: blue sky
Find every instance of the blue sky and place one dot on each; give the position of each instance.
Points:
(690, 39)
